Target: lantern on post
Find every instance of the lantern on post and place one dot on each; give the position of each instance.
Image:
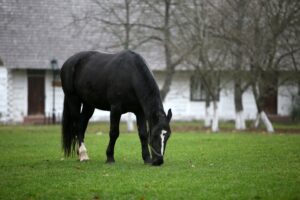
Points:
(54, 67)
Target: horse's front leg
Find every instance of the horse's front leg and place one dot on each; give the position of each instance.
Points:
(85, 115)
(142, 128)
(115, 115)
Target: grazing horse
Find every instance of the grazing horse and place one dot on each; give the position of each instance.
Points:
(118, 83)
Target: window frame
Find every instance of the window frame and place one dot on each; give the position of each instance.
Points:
(203, 93)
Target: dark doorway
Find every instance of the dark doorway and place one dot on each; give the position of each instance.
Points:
(271, 103)
(36, 92)
(270, 91)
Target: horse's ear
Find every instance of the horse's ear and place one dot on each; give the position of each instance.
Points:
(169, 115)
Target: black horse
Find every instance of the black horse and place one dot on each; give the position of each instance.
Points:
(118, 83)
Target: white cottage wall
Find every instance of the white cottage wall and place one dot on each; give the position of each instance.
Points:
(59, 96)
(184, 109)
(286, 95)
(178, 98)
(250, 109)
(100, 115)
(226, 103)
(19, 95)
(3, 93)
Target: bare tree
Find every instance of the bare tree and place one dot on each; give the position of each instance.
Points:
(255, 30)
(210, 55)
(260, 35)
(270, 21)
(112, 24)
(238, 10)
(164, 31)
(233, 29)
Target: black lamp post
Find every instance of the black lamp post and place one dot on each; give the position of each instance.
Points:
(54, 68)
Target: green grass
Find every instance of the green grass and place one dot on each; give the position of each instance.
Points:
(197, 166)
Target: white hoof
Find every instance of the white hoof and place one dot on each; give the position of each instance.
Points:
(82, 151)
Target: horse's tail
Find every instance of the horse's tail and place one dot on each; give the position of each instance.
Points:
(71, 103)
(69, 132)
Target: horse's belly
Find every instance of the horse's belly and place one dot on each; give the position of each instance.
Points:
(95, 100)
(105, 107)
(102, 95)
(99, 103)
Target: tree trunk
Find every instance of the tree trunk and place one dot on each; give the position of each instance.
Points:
(215, 121)
(257, 120)
(240, 123)
(267, 122)
(127, 25)
(207, 119)
(238, 63)
(167, 83)
(262, 116)
(130, 125)
(170, 69)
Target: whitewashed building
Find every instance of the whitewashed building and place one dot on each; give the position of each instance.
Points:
(27, 93)
(32, 33)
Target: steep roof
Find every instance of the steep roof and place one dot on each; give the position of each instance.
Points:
(34, 32)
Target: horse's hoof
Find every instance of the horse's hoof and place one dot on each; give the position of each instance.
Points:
(82, 153)
(83, 156)
(110, 161)
(157, 162)
(84, 159)
(148, 161)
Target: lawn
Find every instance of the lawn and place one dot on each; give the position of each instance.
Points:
(197, 166)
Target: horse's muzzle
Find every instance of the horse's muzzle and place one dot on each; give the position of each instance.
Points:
(157, 161)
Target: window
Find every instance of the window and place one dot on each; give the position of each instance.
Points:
(198, 91)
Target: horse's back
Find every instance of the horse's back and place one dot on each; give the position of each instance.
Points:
(106, 79)
(101, 79)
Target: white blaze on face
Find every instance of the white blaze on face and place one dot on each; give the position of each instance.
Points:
(162, 136)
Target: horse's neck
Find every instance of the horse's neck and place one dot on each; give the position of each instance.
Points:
(153, 110)
(148, 92)
(153, 107)
(155, 115)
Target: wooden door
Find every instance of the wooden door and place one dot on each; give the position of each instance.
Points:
(36, 92)
(271, 103)
(270, 90)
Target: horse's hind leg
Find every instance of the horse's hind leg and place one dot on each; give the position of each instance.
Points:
(142, 128)
(115, 115)
(85, 115)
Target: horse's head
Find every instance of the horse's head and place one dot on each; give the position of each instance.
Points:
(159, 136)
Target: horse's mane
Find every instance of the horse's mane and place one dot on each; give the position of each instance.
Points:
(148, 81)
(146, 86)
